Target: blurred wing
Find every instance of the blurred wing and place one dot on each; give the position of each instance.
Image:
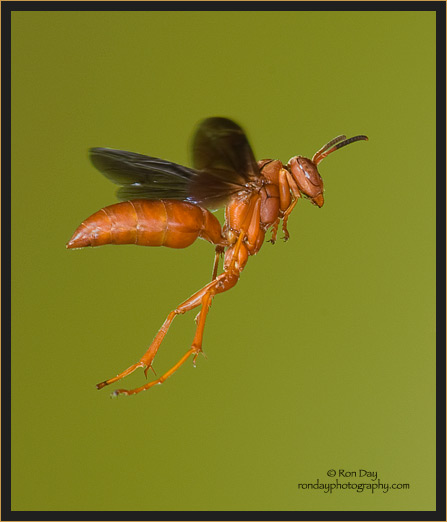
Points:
(153, 178)
(221, 145)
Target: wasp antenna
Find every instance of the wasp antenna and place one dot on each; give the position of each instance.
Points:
(325, 147)
(322, 153)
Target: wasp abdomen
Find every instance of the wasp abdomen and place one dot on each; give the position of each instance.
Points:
(171, 223)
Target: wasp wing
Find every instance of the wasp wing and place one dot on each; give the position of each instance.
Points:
(147, 177)
(220, 148)
(221, 144)
(223, 164)
(142, 176)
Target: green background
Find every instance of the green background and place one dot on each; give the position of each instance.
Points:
(322, 357)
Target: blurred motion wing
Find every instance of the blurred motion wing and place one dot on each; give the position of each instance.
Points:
(220, 144)
(223, 164)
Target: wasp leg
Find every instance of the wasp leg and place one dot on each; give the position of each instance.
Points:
(219, 252)
(287, 202)
(146, 361)
(203, 297)
(275, 225)
(195, 349)
(285, 219)
(158, 381)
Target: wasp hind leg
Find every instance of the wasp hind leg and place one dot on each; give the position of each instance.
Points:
(195, 349)
(201, 298)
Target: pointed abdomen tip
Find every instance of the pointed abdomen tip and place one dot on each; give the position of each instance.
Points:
(80, 239)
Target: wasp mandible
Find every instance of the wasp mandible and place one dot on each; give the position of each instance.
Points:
(166, 204)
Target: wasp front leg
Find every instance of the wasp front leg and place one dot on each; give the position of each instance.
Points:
(275, 226)
(288, 198)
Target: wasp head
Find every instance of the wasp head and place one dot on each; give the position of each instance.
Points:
(308, 179)
(305, 172)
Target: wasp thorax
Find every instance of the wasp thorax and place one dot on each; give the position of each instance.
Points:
(309, 181)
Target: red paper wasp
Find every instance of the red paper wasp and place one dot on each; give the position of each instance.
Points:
(165, 204)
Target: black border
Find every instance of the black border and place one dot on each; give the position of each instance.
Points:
(437, 6)
(219, 5)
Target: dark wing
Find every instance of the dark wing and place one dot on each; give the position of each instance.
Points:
(220, 144)
(223, 162)
(143, 176)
